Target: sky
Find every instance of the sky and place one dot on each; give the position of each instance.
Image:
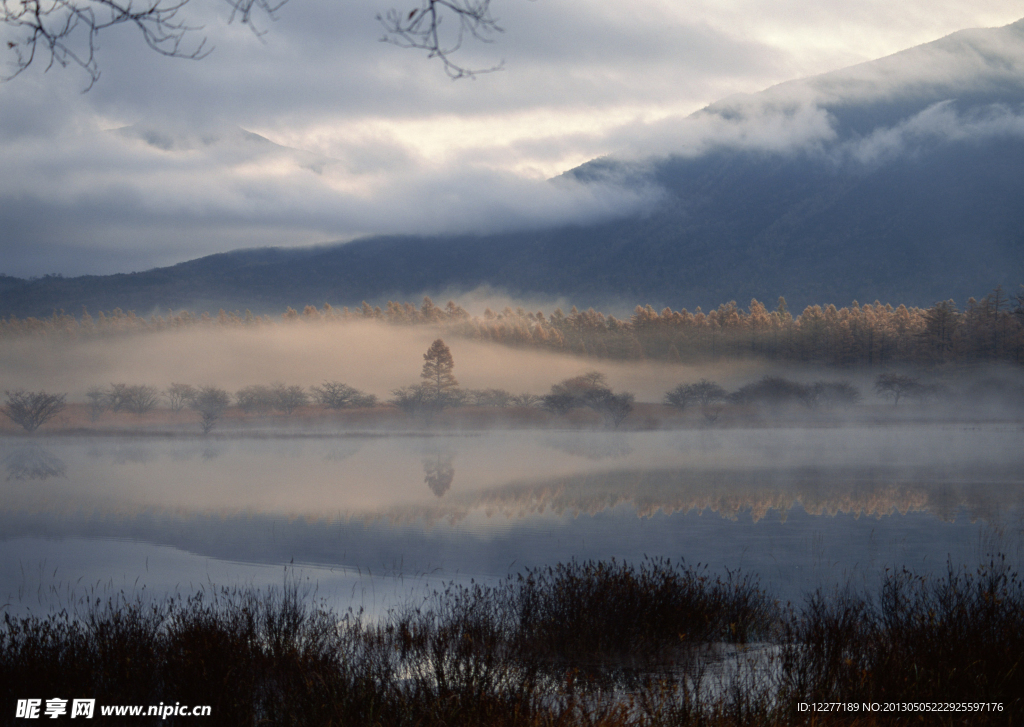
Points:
(153, 165)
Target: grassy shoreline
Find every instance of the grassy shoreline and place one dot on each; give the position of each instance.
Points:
(580, 643)
(314, 422)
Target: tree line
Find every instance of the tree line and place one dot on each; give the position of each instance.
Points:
(989, 329)
(438, 389)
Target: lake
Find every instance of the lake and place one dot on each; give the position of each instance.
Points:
(372, 519)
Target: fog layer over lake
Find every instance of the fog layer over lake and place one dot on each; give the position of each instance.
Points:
(801, 507)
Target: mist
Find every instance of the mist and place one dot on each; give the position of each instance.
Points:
(373, 357)
(652, 152)
(200, 190)
(190, 170)
(801, 498)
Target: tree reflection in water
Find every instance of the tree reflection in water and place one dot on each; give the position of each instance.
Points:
(33, 463)
(438, 473)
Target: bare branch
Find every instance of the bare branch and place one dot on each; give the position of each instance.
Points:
(243, 11)
(68, 30)
(421, 29)
(32, 409)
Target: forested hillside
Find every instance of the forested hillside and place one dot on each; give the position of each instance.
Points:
(989, 329)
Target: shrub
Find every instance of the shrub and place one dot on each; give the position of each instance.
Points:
(255, 399)
(180, 395)
(596, 643)
(408, 398)
(211, 403)
(336, 395)
(950, 639)
(136, 399)
(289, 398)
(589, 390)
(832, 394)
(898, 386)
(490, 397)
(31, 409)
(526, 400)
(139, 399)
(99, 402)
(774, 392)
(599, 611)
(708, 395)
(417, 399)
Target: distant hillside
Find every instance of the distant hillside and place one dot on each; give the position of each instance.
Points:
(900, 180)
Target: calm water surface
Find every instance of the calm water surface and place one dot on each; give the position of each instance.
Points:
(370, 520)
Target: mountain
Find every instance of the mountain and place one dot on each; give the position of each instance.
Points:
(226, 142)
(901, 180)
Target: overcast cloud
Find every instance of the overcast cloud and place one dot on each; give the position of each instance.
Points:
(369, 138)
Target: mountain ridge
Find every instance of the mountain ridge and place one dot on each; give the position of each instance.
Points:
(900, 180)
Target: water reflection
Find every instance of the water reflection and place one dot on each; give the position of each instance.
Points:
(790, 504)
(33, 462)
(590, 445)
(438, 473)
(514, 474)
(340, 450)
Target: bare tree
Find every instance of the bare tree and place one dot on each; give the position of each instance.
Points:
(574, 392)
(678, 397)
(409, 399)
(289, 398)
(179, 395)
(211, 403)
(116, 395)
(67, 32)
(257, 398)
(139, 399)
(775, 392)
(832, 394)
(498, 398)
(559, 403)
(614, 407)
(336, 395)
(99, 402)
(422, 29)
(526, 400)
(897, 386)
(31, 409)
(707, 395)
(589, 390)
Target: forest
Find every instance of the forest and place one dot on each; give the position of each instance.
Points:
(876, 335)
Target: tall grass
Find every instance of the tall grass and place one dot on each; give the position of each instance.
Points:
(960, 638)
(582, 643)
(623, 614)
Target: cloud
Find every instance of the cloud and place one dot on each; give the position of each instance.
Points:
(757, 126)
(372, 138)
(865, 113)
(940, 123)
(101, 191)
